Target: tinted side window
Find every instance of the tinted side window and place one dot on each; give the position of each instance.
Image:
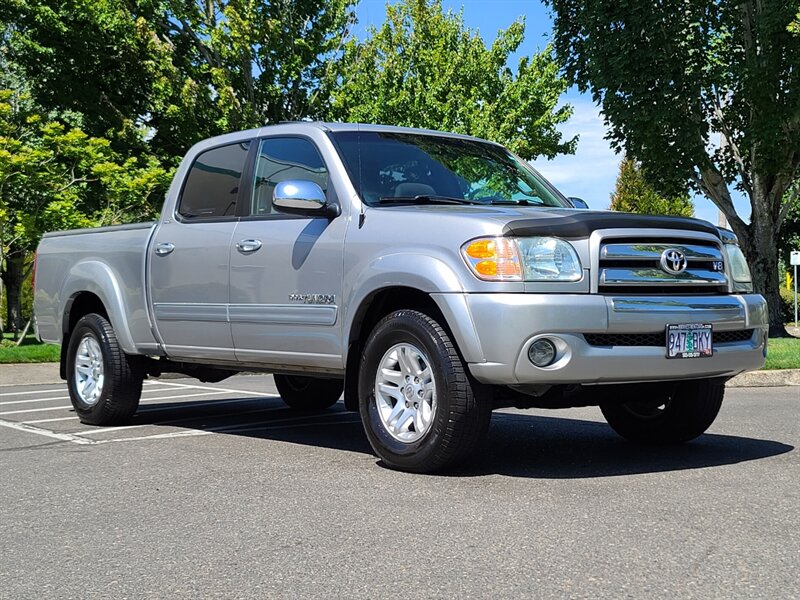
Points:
(212, 184)
(280, 159)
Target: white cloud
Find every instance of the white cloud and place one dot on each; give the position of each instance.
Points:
(591, 172)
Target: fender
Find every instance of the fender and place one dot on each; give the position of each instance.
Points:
(427, 274)
(98, 278)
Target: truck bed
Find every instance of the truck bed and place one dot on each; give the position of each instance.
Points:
(88, 259)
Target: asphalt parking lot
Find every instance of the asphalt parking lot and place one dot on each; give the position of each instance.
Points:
(219, 490)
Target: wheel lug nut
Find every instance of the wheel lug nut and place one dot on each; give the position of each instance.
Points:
(416, 379)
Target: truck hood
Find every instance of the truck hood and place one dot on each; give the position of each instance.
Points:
(567, 223)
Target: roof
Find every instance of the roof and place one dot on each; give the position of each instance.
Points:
(387, 129)
(294, 127)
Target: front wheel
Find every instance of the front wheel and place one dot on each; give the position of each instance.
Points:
(105, 384)
(308, 393)
(677, 414)
(421, 410)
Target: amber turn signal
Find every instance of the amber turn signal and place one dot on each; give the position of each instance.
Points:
(493, 259)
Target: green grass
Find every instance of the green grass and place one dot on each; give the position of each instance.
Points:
(783, 353)
(30, 351)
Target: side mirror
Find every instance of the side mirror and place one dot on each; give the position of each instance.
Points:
(578, 202)
(302, 197)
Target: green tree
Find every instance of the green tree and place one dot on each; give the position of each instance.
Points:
(178, 70)
(634, 194)
(53, 176)
(110, 85)
(424, 68)
(699, 91)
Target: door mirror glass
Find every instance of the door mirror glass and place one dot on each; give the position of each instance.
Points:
(300, 196)
(578, 202)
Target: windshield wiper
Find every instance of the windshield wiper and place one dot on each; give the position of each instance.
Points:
(522, 202)
(425, 199)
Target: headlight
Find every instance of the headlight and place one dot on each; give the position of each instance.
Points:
(740, 272)
(549, 259)
(523, 259)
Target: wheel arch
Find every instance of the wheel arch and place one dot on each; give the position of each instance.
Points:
(387, 299)
(92, 287)
(77, 306)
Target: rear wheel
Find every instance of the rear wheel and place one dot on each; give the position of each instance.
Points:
(421, 410)
(679, 413)
(105, 384)
(308, 393)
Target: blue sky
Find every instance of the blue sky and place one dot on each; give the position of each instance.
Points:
(591, 172)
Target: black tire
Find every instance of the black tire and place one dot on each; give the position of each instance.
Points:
(308, 393)
(121, 387)
(463, 406)
(673, 415)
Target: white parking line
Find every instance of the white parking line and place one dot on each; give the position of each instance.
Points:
(29, 392)
(240, 428)
(147, 391)
(204, 403)
(232, 391)
(34, 400)
(29, 410)
(71, 418)
(65, 437)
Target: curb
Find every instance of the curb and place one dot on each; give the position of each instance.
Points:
(41, 373)
(773, 378)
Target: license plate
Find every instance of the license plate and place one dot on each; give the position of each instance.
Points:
(689, 340)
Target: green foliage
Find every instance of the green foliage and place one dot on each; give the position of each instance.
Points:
(794, 26)
(672, 74)
(53, 176)
(181, 70)
(698, 91)
(789, 238)
(787, 303)
(425, 68)
(634, 194)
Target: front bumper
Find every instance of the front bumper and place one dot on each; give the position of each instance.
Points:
(494, 332)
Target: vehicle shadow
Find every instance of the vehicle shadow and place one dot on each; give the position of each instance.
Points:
(564, 448)
(517, 445)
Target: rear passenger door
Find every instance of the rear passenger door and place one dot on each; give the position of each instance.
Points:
(189, 258)
(286, 270)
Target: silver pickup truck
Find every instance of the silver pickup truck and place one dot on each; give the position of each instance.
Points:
(428, 277)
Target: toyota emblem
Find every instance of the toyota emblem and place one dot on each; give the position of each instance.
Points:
(673, 261)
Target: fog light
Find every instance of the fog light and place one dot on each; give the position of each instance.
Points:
(542, 353)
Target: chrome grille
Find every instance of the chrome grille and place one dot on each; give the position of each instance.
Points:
(635, 266)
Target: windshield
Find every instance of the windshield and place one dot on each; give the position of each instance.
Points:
(388, 168)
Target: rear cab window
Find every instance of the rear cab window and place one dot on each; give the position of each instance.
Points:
(211, 188)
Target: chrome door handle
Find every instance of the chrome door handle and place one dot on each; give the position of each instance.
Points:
(247, 246)
(164, 248)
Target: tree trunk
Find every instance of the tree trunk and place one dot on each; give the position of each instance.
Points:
(759, 238)
(12, 278)
(760, 246)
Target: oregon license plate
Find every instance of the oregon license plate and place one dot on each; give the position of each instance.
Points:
(689, 340)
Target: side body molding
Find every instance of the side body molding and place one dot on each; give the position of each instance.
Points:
(424, 273)
(98, 278)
